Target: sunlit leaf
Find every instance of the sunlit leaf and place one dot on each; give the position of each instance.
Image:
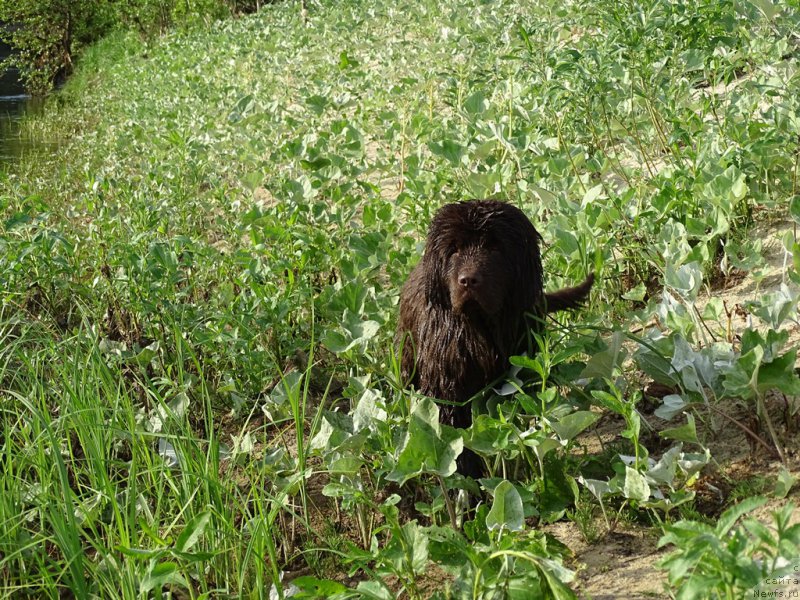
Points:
(160, 574)
(448, 149)
(636, 486)
(571, 425)
(671, 406)
(428, 447)
(475, 104)
(784, 483)
(193, 531)
(684, 433)
(354, 332)
(506, 511)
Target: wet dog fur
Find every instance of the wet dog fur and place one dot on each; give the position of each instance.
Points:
(465, 307)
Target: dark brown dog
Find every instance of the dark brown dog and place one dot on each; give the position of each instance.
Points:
(463, 308)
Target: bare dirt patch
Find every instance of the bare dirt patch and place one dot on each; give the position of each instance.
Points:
(620, 565)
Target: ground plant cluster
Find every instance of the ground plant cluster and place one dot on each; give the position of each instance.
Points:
(200, 393)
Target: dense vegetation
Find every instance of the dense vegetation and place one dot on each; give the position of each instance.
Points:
(199, 288)
(48, 35)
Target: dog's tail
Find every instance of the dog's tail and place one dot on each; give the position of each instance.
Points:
(571, 297)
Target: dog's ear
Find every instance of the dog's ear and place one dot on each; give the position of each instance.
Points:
(528, 288)
(438, 250)
(435, 262)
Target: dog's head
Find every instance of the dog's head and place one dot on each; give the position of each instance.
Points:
(482, 257)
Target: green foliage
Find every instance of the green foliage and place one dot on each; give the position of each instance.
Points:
(428, 447)
(732, 560)
(48, 35)
(198, 290)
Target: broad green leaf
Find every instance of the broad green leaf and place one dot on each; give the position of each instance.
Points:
(557, 577)
(506, 511)
(728, 518)
(603, 364)
(742, 380)
(408, 549)
(529, 362)
(253, 180)
(686, 280)
(242, 108)
(671, 405)
(635, 294)
(542, 446)
(489, 436)
(610, 401)
(570, 426)
(375, 590)
(17, 220)
(672, 501)
(657, 365)
(592, 194)
(476, 104)
(784, 483)
(448, 149)
(768, 8)
(318, 588)
(726, 188)
(780, 375)
(636, 486)
(598, 488)
(694, 463)
(546, 197)
(684, 433)
(193, 531)
(288, 388)
(560, 490)
(772, 344)
(316, 164)
(354, 332)
(145, 355)
(345, 61)
(663, 472)
(794, 208)
(694, 60)
(160, 574)
(714, 310)
(368, 409)
(481, 185)
(328, 436)
(449, 547)
(428, 447)
(775, 307)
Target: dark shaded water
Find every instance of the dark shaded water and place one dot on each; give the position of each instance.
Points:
(14, 104)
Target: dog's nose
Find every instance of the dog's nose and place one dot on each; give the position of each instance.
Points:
(468, 280)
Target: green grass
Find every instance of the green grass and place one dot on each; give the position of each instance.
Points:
(198, 286)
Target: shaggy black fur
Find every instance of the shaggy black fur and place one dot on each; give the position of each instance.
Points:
(462, 309)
